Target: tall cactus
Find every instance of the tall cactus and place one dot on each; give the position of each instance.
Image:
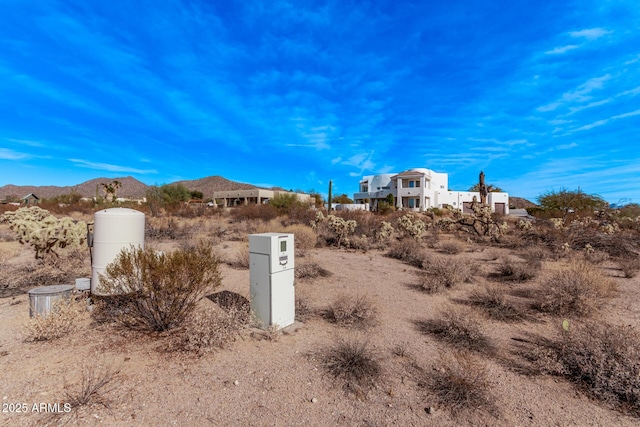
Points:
(482, 188)
(329, 204)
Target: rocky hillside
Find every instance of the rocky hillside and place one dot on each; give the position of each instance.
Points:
(214, 183)
(520, 203)
(131, 187)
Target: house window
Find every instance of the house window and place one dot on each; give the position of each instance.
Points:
(365, 189)
(418, 183)
(411, 184)
(411, 203)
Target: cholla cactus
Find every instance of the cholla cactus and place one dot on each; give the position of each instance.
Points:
(611, 228)
(558, 223)
(319, 218)
(588, 248)
(342, 228)
(414, 229)
(385, 232)
(524, 225)
(43, 231)
(445, 223)
(481, 221)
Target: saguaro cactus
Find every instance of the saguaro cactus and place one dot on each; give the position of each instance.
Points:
(482, 188)
(329, 204)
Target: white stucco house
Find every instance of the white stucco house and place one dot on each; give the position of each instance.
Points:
(420, 189)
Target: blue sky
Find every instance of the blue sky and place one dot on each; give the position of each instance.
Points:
(540, 95)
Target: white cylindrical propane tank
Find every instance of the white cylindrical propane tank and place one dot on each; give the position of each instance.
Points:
(113, 230)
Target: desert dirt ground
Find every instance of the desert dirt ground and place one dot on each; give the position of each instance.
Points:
(280, 381)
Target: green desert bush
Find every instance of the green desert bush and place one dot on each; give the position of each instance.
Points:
(160, 291)
(442, 272)
(357, 311)
(354, 362)
(577, 289)
(459, 328)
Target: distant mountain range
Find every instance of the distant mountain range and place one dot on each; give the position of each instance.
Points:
(131, 187)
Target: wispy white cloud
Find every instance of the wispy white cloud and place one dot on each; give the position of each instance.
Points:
(603, 122)
(26, 142)
(580, 94)
(111, 168)
(625, 115)
(7, 154)
(591, 33)
(562, 49)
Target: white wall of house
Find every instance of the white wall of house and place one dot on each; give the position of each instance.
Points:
(420, 189)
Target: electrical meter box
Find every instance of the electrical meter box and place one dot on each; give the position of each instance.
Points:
(272, 269)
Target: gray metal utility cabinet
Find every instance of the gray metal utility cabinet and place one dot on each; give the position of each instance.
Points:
(272, 267)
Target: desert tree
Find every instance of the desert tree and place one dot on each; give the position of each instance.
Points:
(563, 202)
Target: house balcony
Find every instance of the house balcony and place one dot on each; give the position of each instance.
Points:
(371, 195)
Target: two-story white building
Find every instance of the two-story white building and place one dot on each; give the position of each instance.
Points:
(420, 189)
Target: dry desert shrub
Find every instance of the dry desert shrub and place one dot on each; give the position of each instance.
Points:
(630, 266)
(211, 328)
(304, 310)
(493, 301)
(304, 236)
(352, 311)
(353, 362)
(309, 268)
(451, 247)
(93, 388)
(408, 251)
(492, 254)
(442, 272)
(165, 229)
(596, 256)
(159, 291)
(601, 358)
(241, 258)
(512, 270)
(263, 212)
(578, 289)
(459, 328)
(362, 243)
(460, 383)
(63, 319)
(536, 252)
(230, 300)
(9, 250)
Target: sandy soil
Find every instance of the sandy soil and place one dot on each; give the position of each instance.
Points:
(260, 382)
